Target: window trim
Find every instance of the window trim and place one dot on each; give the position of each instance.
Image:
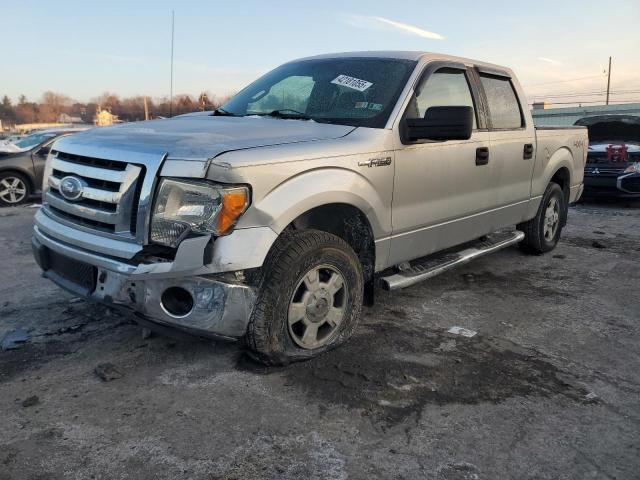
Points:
(478, 105)
(486, 72)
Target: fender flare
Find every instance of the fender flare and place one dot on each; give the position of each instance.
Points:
(561, 158)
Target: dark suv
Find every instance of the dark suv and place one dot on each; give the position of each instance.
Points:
(613, 160)
(22, 165)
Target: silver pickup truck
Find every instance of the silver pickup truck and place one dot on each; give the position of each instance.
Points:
(273, 218)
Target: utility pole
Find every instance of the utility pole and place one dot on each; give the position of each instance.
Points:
(146, 109)
(608, 80)
(171, 76)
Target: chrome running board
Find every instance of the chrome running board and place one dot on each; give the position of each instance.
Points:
(429, 267)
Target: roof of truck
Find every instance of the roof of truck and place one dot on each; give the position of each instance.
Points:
(407, 55)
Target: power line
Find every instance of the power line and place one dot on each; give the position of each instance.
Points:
(574, 102)
(591, 92)
(584, 94)
(563, 81)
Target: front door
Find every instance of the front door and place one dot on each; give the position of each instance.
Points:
(443, 191)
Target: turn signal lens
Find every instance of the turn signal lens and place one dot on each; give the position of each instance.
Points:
(234, 203)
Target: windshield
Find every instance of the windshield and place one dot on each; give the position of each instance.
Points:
(33, 140)
(348, 91)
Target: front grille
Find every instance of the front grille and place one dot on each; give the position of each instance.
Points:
(96, 162)
(110, 193)
(604, 171)
(78, 273)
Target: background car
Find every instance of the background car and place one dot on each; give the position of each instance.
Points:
(22, 165)
(613, 160)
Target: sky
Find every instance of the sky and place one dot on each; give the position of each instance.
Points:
(83, 48)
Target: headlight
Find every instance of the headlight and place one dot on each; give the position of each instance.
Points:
(633, 168)
(183, 206)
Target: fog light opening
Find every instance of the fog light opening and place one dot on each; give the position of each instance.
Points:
(177, 302)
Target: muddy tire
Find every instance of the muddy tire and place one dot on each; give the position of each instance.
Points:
(309, 301)
(15, 189)
(541, 234)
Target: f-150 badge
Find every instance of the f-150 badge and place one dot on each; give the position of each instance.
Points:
(376, 162)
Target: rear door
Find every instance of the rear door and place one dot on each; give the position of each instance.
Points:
(442, 190)
(512, 146)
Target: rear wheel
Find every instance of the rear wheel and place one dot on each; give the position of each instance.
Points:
(14, 189)
(542, 233)
(310, 298)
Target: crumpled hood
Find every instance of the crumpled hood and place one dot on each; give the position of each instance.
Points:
(200, 137)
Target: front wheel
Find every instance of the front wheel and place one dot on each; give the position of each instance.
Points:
(14, 189)
(310, 298)
(542, 233)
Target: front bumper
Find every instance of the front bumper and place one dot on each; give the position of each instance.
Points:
(221, 306)
(626, 185)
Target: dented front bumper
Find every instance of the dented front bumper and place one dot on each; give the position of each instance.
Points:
(220, 304)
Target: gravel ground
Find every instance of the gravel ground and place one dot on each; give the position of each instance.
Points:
(549, 388)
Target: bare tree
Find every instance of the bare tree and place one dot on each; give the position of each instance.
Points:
(129, 109)
(26, 112)
(52, 105)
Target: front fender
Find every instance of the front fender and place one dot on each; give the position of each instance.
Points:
(323, 186)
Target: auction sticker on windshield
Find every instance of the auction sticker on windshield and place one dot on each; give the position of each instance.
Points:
(351, 82)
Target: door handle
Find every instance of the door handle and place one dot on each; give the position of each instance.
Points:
(528, 151)
(482, 155)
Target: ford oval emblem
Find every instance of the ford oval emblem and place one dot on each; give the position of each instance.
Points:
(71, 188)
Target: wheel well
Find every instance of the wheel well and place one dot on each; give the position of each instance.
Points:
(350, 224)
(563, 178)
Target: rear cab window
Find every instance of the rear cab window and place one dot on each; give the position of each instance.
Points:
(504, 108)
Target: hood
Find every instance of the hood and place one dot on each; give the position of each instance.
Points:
(612, 128)
(200, 137)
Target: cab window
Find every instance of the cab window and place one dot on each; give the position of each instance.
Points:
(447, 87)
(504, 108)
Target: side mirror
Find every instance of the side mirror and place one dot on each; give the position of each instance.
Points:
(44, 151)
(441, 123)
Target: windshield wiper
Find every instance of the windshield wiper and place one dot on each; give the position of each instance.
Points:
(288, 113)
(221, 112)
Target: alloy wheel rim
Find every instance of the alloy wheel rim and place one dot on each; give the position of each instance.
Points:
(551, 219)
(317, 307)
(12, 189)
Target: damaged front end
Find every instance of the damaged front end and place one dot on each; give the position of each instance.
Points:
(174, 292)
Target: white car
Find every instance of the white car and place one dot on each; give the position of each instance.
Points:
(28, 142)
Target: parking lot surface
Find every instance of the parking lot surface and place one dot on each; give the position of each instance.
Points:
(548, 388)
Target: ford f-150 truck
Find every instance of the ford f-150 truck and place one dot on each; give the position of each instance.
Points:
(272, 218)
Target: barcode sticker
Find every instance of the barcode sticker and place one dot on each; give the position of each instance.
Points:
(351, 82)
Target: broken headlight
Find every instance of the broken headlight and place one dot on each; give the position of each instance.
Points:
(184, 206)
